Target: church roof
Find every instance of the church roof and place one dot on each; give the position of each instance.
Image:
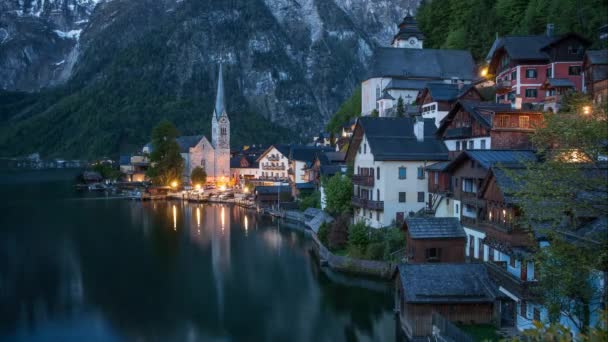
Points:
(187, 142)
(408, 28)
(220, 102)
(422, 64)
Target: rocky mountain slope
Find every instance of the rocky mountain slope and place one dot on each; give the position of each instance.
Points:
(109, 70)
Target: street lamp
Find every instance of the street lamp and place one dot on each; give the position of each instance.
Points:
(197, 186)
(174, 184)
(586, 110)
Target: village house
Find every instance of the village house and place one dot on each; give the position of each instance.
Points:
(244, 168)
(389, 156)
(595, 71)
(434, 239)
(134, 167)
(522, 64)
(461, 293)
(403, 70)
(437, 99)
(474, 125)
(273, 163)
(325, 166)
(301, 159)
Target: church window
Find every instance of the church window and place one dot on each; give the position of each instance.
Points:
(223, 131)
(377, 92)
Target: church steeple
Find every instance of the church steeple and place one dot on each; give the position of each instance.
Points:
(409, 35)
(220, 104)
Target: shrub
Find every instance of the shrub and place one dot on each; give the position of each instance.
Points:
(358, 236)
(338, 235)
(323, 233)
(312, 200)
(375, 251)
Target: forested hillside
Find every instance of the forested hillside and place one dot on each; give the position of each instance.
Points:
(474, 24)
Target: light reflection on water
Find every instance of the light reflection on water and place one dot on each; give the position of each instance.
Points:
(118, 270)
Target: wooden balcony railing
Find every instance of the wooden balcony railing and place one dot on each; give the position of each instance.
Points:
(458, 132)
(368, 204)
(363, 180)
(497, 270)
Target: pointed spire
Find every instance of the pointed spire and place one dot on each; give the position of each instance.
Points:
(219, 100)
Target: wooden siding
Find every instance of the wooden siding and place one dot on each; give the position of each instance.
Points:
(451, 250)
(418, 317)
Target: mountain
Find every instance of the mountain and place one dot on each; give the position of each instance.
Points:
(100, 74)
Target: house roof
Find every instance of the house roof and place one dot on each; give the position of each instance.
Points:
(282, 148)
(235, 162)
(307, 153)
(330, 170)
(406, 84)
(505, 177)
(124, 160)
(387, 96)
(422, 63)
(307, 185)
(272, 189)
(446, 283)
(489, 158)
(558, 83)
(597, 56)
(447, 91)
(393, 139)
(434, 228)
(437, 166)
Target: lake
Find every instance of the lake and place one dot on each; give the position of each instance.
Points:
(94, 267)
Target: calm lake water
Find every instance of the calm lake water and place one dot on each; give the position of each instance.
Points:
(86, 267)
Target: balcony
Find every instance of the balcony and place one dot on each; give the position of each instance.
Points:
(363, 180)
(441, 189)
(273, 167)
(458, 132)
(497, 270)
(503, 86)
(273, 158)
(367, 204)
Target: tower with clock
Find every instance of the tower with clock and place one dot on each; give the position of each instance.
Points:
(409, 36)
(220, 133)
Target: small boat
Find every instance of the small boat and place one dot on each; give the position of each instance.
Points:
(97, 187)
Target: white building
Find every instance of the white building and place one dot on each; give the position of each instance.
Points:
(274, 163)
(404, 69)
(389, 156)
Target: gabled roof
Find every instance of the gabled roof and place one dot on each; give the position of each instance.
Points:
(387, 96)
(307, 153)
(187, 142)
(408, 28)
(505, 176)
(489, 158)
(393, 139)
(283, 149)
(597, 56)
(481, 111)
(235, 162)
(449, 92)
(437, 166)
(406, 84)
(422, 63)
(434, 228)
(447, 283)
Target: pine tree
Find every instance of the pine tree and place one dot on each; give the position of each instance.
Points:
(400, 108)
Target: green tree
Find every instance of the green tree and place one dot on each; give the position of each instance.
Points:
(339, 192)
(400, 107)
(350, 109)
(560, 194)
(358, 239)
(167, 163)
(312, 200)
(198, 176)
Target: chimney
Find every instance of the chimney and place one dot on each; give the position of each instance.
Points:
(550, 29)
(419, 128)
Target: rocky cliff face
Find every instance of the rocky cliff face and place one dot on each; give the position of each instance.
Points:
(291, 62)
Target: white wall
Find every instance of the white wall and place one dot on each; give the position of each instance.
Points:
(277, 173)
(477, 242)
(451, 143)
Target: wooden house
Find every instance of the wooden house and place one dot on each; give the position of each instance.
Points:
(434, 240)
(595, 70)
(469, 297)
(437, 99)
(474, 125)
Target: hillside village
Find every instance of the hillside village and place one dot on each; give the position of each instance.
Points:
(431, 155)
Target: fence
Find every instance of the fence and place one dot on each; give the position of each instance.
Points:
(444, 330)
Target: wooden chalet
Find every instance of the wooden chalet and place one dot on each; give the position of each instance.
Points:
(438, 98)
(434, 240)
(462, 293)
(479, 125)
(595, 70)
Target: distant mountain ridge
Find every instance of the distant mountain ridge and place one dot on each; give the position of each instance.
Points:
(115, 68)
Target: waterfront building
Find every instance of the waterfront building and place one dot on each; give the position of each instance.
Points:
(273, 163)
(521, 65)
(244, 168)
(389, 156)
(404, 69)
(434, 240)
(301, 159)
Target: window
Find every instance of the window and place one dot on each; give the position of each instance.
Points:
(456, 181)
(531, 92)
(457, 209)
(402, 173)
(531, 73)
(436, 177)
(468, 185)
(402, 197)
(420, 173)
(377, 92)
(364, 148)
(483, 144)
(471, 144)
(458, 146)
(503, 120)
(377, 216)
(359, 149)
(574, 70)
(514, 75)
(433, 254)
(512, 261)
(524, 122)
(378, 172)
(523, 309)
(421, 197)
(536, 314)
(575, 50)
(549, 72)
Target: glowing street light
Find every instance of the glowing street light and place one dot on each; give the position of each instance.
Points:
(586, 110)
(483, 72)
(197, 186)
(174, 184)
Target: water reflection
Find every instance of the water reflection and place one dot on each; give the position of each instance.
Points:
(120, 270)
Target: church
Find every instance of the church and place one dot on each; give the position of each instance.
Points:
(406, 67)
(213, 156)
